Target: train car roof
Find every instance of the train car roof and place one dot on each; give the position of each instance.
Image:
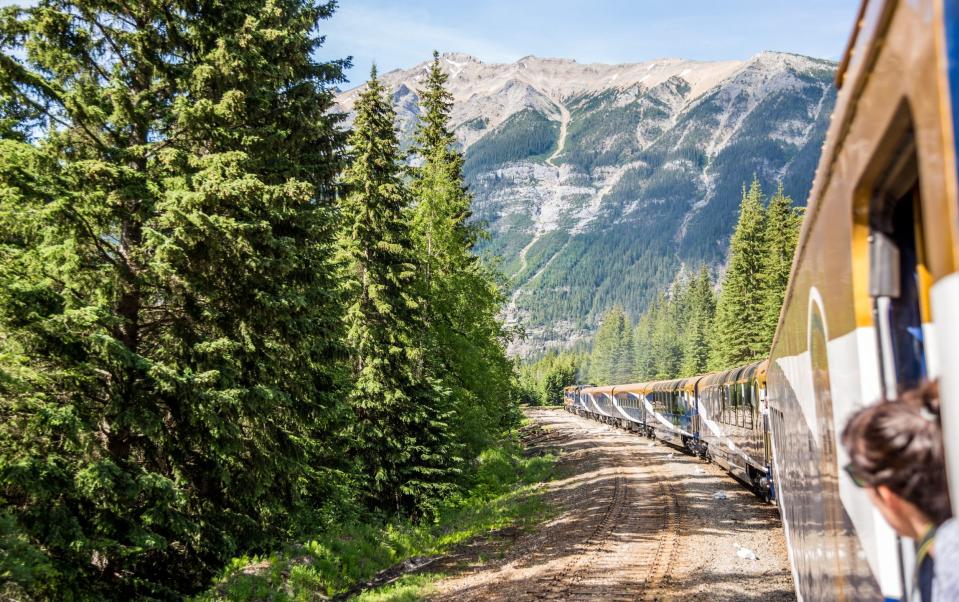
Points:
(739, 374)
(631, 388)
(600, 390)
(667, 385)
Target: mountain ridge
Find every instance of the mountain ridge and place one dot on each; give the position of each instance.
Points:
(599, 182)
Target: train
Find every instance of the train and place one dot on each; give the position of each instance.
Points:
(871, 309)
(719, 417)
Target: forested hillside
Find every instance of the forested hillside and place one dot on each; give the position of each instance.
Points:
(690, 329)
(229, 327)
(599, 182)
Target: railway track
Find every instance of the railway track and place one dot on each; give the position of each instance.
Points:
(634, 520)
(652, 507)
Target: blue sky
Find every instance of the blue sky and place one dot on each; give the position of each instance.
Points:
(399, 34)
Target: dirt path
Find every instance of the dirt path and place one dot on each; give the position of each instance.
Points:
(634, 520)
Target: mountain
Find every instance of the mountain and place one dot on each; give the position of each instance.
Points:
(599, 182)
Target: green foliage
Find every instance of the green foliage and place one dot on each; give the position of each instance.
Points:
(542, 382)
(702, 309)
(503, 492)
(527, 134)
(738, 333)
(783, 222)
(169, 319)
(400, 433)
(688, 331)
(463, 340)
(611, 360)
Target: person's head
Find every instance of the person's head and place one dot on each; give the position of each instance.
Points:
(896, 454)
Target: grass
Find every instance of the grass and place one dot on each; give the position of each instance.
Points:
(504, 494)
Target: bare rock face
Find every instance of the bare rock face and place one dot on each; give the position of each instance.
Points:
(599, 182)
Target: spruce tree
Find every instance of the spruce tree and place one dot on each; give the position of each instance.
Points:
(625, 369)
(738, 333)
(399, 434)
(783, 222)
(644, 358)
(463, 341)
(169, 328)
(666, 337)
(702, 307)
(608, 347)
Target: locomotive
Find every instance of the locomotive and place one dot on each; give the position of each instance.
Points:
(871, 309)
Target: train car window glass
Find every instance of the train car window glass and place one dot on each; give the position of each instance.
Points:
(744, 404)
(738, 388)
(895, 264)
(722, 403)
(750, 403)
(730, 404)
(727, 404)
(739, 405)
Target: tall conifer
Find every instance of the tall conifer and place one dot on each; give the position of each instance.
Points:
(399, 432)
(702, 308)
(644, 355)
(609, 349)
(168, 327)
(463, 340)
(782, 233)
(739, 329)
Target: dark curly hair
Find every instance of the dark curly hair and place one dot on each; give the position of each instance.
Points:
(898, 444)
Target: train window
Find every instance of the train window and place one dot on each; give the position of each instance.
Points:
(721, 390)
(896, 270)
(748, 409)
(727, 404)
(744, 407)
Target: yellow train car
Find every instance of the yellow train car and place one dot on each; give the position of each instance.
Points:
(873, 302)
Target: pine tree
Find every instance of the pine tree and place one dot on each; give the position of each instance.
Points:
(644, 357)
(625, 370)
(463, 341)
(169, 328)
(666, 336)
(702, 307)
(782, 233)
(608, 347)
(738, 334)
(399, 433)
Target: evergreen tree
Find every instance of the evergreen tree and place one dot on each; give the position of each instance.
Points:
(644, 356)
(168, 323)
(463, 341)
(782, 233)
(702, 307)
(739, 329)
(625, 369)
(561, 373)
(400, 432)
(666, 335)
(609, 346)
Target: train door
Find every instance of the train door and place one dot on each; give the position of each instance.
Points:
(898, 281)
(897, 275)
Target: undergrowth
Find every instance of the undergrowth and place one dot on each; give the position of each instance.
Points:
(503, 494)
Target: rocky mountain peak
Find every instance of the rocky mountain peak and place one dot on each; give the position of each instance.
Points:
(599, 181)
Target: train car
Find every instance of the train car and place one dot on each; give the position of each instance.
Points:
(871, 307)
(601, 403)
(672, 404)
(733, 425)
(631, 402)
(572, 398)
